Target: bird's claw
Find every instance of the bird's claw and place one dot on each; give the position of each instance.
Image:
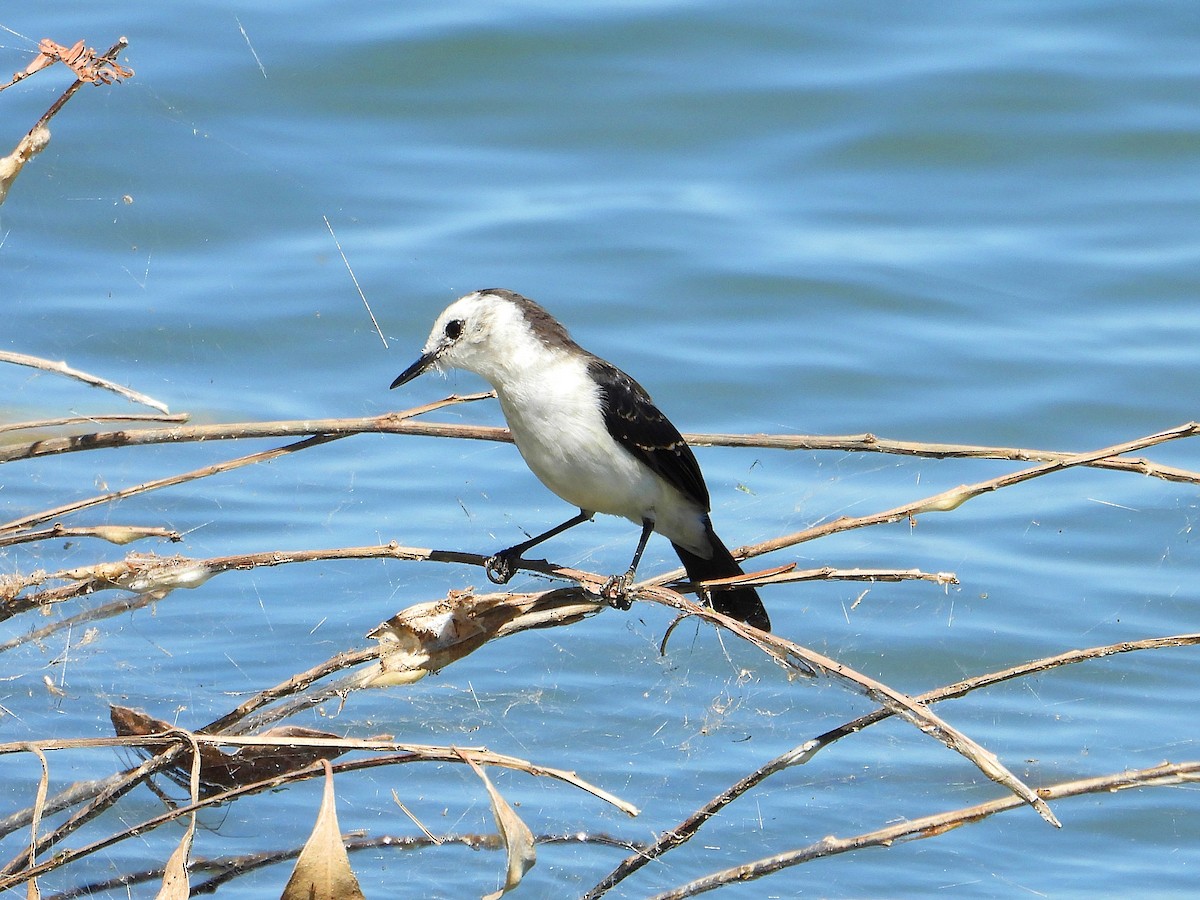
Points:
(616, 591)
(501, 567)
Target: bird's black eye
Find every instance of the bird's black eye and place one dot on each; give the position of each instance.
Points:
(454, 329)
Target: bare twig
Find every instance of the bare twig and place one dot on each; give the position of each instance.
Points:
(61, 368)
(931, 826)
(222, 870)
(964, 687)
(388, 423)
(114, 534)
(106, 611)
(87, 420)
(315, 440)
(203, 472)
(807, 661)
(869, 443)
(143, 573)
(398, 423)
(790, 574)
(683, 832)
(955, 497)
(230, 722)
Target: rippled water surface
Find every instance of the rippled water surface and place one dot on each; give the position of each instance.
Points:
(969, 223)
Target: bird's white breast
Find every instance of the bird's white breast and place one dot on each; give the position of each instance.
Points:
(553, 411)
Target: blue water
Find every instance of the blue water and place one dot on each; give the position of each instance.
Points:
(973, 222)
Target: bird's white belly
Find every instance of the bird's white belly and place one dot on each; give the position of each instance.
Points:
(567, 446)
(557, 424)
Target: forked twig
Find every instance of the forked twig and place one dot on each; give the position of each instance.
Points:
(14, 874)
(932, 826)
(949, 500)
(317, 438)
(89, 68)
(203, 472)
(807, 661)
(155, 577)
(802, 754)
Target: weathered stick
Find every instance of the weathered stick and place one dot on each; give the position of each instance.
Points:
(400, 423)
(1167, 774)
(684, 831)
(61, 368)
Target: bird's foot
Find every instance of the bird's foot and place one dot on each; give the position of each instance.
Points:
(616, 591)
(501, 567)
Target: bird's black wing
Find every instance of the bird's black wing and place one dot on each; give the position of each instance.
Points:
(637, 425)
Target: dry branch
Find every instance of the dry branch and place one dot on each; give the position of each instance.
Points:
(429, 636)
(402, 423)
(88, 420)
(802, 754)
(806, 661)
(105, 611)
(203, 472)
(61, 368)
(790, 574)
(88, 68)
(15, 873)
(947, 501)
(935, 825)
(114, 534)
(222, 870)
(152, 574)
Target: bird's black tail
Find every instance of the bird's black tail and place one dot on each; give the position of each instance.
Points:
(741, 603)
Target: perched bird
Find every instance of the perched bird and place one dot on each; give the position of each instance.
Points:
(590, 433)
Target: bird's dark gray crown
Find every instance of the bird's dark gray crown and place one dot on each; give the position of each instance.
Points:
(544, 326)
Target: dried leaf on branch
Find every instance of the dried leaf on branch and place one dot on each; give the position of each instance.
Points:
(426, 637)
(221, 771)
(88, 67)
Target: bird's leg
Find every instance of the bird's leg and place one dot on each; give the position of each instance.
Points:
(615, 590)
(503, 565)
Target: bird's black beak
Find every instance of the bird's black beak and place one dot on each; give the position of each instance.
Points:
(425, 361)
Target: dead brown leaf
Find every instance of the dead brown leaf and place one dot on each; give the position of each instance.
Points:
(221, 771)
(514, 833)
(322, 870)
(80, 59)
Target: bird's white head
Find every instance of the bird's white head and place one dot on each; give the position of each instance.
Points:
(487, 332)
